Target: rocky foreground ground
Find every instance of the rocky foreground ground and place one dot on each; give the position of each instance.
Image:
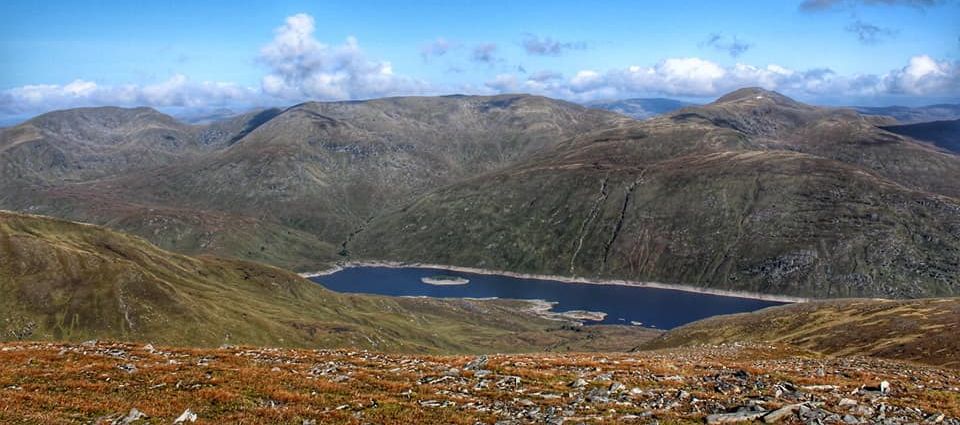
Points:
(126, 384)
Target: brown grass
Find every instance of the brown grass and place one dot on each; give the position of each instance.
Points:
(57, 383)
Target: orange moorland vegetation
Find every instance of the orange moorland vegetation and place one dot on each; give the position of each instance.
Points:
(124, 383)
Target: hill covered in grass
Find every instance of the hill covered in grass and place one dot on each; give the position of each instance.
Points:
(66, 281)
(298, 181)
(754, 192)
(922, 331)
(945, 134)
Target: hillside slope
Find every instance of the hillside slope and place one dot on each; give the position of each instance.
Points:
(752, 192)
(301, 180)
(755, 192)
(72, 282)
(945, 134)
(922, 330)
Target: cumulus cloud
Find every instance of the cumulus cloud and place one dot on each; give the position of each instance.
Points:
(485, 53)
(696, 77)
(177, 91)
(868, 33)
(547, 46)
(817, 5)
(436, 48)
(732, 45)
(922, 76)
(301, 67)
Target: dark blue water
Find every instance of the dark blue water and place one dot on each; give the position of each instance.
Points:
(653, 307)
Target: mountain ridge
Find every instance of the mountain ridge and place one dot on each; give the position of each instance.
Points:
(641, 179)
(783, 194)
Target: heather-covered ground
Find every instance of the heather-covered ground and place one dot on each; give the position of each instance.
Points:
(104, 382)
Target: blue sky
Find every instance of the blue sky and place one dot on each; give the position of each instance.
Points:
(205, 54)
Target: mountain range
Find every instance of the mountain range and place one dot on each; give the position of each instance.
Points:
(754, 191)
(641, 108)
(944, 134)
(198, 226)
(913, 115)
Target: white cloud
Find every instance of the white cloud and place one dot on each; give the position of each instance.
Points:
(923, 76)
(696, 77)
(178, 91)
(301, 67)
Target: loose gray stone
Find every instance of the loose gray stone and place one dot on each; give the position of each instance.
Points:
(725, 418)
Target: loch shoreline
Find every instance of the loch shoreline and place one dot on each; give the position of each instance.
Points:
(564, 279)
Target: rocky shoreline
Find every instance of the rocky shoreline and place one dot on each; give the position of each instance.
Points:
(543, 308)
(565, 279)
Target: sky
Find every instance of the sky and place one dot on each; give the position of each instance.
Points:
(203, 55)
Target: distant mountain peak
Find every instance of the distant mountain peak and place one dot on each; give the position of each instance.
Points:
(755, 94)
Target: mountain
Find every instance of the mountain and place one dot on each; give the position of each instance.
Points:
(205, 116)
(912, 115)
(916, 330)
(945, 134)
(88, 143)
(66, 281)
(294, 184)
(641, 108)
(753, 192)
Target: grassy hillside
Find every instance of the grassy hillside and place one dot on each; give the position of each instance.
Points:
(307, 177)
(918, 330)
(945, 134)
(72, 282)
(756, 192)
(752, 192)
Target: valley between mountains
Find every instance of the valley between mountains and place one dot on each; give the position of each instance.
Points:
(148, 267)
(753, 192)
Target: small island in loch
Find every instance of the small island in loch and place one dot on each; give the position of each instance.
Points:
(443, 279)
